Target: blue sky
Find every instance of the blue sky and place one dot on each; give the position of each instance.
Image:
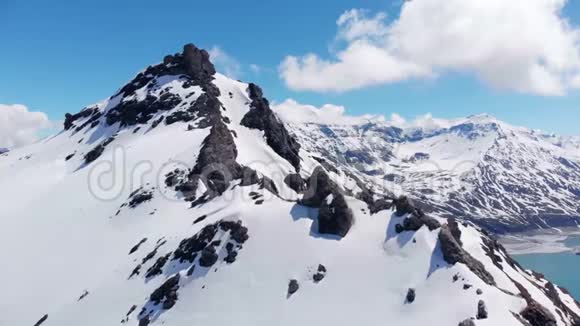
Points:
(59, 56)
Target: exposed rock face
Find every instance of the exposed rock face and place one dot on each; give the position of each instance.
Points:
(261, 117)
(319, 187)
(192, 65)
(403, 206)
(537, 315)
(167, 292)
(467, 322)
(335, 217)
(216, 164)
(295, 182)
(453, 253)
(69, 119)
(481, 310)
(208, 257)
(97, 151)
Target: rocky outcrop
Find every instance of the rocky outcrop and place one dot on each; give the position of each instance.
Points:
(467, 322)
(481, 310)
(261, 117)
(453, 253)
(403, 205)
(538, 315)
(319, 187)
(70, 119)
(97, 151)
(216, 164)
(293, 287)
(295, 182)
(167, 292)
(335, 217)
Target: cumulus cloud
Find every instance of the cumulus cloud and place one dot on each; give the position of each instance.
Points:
(519, 45)
(225, 62)
(294, 112)
(19, 126)
(291, 111)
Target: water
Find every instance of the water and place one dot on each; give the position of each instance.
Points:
(561, 268)
(572, 241)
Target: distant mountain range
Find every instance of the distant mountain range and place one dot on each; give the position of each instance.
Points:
(502, 177)
(183, 199)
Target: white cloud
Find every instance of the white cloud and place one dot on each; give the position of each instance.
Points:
(19, 127)
(519, 45)
(225, 62)
(291, 111)
(294, 112)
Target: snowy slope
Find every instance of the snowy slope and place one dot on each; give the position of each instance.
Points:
(171, 203)
(503, 177)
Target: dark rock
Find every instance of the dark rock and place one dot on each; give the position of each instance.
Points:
(167, 292)
(136, 247)
(199, 219)
(216, 164)
(188, 248)
(467, 322)
(410, 296)
(329, 167)
(41, 320)
(479, 291)
(208, 256)
(537, 315)
(139, 196)
(83, 295)
(96, 152)
(318, 277)
(157, 267)
(453, 253)
(455, 231)
(320, 274)
(144, 321)
(295, 182)
(399, 228)
(293, 287)
(403, 205)
(467, 286)
(319, 187)
(261, 117)
(335, 217)
(481, 310)
(268, 184)
(68, 157)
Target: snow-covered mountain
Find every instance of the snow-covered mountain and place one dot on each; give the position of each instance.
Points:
(182, 200)
(503, 177)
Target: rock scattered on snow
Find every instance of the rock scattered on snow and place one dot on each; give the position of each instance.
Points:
(41, 320)
(293, 287)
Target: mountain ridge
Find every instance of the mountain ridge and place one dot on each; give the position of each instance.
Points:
(218, 212)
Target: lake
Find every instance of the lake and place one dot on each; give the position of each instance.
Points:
(562, 268)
